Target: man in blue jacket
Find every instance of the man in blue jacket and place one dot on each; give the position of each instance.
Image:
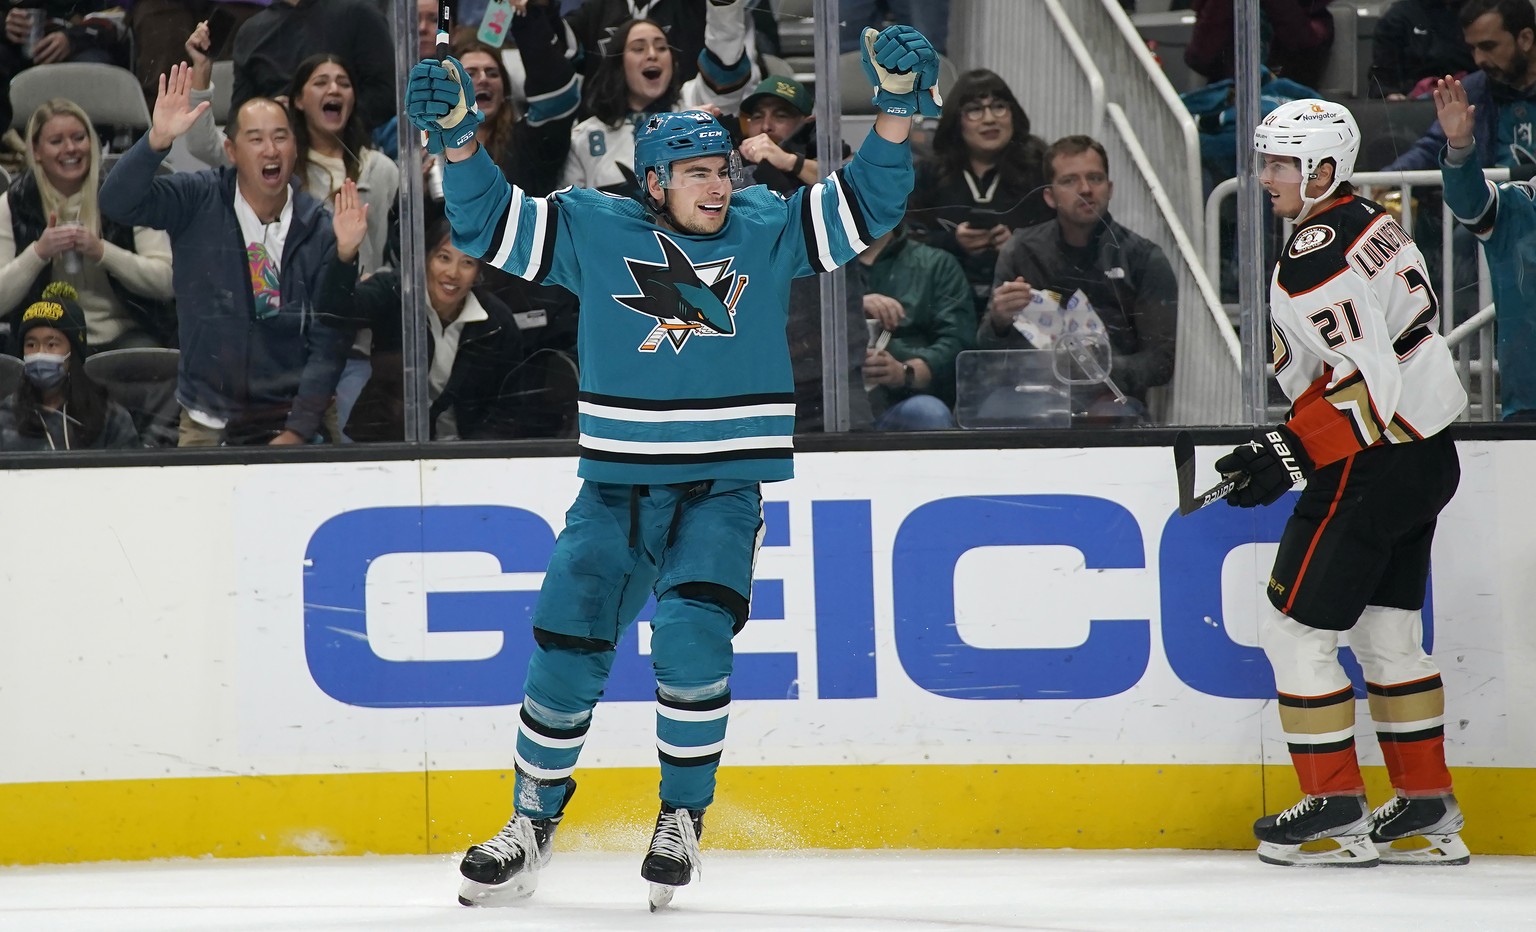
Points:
(1502, 34)
(258, 365)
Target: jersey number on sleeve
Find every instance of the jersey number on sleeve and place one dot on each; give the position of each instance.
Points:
(1417, 282)
(1327, 323)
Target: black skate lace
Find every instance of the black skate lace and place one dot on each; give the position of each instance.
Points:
(675, 838)
(516, 838)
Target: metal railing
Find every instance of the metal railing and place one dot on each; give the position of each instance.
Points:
(1134, 80)
(1206, 387)
(1035, 48)
(1478, 330)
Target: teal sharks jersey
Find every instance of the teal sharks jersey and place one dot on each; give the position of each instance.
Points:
(685, 369)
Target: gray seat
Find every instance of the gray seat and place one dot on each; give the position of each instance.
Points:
(110, 96)
(11, 372)
(143, 380)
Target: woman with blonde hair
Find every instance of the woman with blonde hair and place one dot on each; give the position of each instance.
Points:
(52, 230)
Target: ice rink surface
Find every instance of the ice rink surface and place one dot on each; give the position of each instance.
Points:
(741, 892)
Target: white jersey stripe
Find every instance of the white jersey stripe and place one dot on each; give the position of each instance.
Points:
(544, 741)
(850, 226)
(703, 750)
(693, 715)
(541, 772)
(611, 412)
(536, 247)
(664, 447)
(819, 223)
(509, 230)
(1328, 737)
(1407, 727)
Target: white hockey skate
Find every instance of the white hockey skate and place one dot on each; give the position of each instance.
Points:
(1341, 822)
(674, 853)
(505, 869)
(1420, 830)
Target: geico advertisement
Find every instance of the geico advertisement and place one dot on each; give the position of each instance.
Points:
(945, 606)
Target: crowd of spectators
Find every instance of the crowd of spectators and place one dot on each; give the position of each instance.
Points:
(274, 273)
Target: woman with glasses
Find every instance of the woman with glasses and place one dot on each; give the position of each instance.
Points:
(983, 181)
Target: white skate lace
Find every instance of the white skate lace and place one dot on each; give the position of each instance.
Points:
(514, 840)
(1297, 810)
(675, 838)
(1388, 810)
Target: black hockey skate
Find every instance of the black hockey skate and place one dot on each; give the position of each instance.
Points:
(1345, 820)
(674, 854)
(1406, 819)
(505, 869)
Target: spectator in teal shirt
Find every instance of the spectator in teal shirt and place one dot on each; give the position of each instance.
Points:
(1503, 217)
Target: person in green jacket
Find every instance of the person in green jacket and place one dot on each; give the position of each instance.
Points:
(920, 296)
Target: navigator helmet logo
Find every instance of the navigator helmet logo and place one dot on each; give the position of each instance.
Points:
(686, 300)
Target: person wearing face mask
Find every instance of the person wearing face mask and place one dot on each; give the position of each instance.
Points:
(57, 406)
(52, 229)
(259, 364)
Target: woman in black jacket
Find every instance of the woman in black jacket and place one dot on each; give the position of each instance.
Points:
(482, 383)
(984, 180)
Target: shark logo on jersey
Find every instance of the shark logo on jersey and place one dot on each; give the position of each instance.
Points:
(686, 300)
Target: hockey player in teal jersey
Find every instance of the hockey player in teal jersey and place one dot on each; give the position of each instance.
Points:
(1503, 216)
(686, 406)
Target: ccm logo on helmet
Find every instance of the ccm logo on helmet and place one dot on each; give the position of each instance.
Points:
(1287, 458)
(1311, 238)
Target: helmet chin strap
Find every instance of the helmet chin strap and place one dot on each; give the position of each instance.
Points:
(1307, 203)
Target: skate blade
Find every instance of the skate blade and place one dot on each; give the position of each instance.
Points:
(508, 893)
(660, 895)
(1343, 851)
(1442, 850)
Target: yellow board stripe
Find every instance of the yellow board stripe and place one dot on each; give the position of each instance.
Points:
(929, 806)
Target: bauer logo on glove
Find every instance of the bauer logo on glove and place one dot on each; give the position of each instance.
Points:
(1266, 466)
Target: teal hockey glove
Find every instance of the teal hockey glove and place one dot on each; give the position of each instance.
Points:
(440, 101)
(904, 69)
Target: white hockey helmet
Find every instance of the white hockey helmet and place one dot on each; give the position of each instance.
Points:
(1311, 131)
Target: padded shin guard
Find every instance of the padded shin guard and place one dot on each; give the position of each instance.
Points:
(1317, 704)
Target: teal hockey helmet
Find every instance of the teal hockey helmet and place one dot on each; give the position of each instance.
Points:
(671, 137)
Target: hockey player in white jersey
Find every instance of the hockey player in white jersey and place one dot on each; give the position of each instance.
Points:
(1372, 386)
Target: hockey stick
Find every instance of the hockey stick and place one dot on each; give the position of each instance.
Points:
(1184, 464)
(444, 28)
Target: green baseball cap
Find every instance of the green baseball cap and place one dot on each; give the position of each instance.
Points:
(786, 89)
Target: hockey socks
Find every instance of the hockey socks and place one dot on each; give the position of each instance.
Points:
(1409, 721)
(690, 735)
(1319, 732)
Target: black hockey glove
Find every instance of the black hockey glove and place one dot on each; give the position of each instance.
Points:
(1274, 461)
